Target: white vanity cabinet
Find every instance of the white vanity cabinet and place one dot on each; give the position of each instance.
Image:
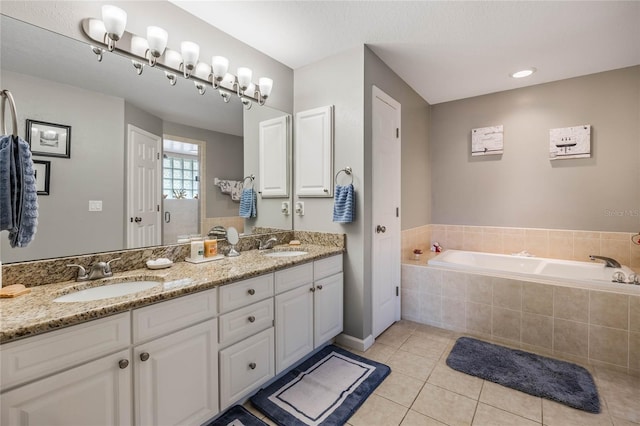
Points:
(69, 378)
(309, 304)
(176, 375)
(246, 337)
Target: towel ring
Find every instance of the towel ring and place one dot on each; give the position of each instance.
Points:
(6, 95)
(251, 177)
(348, 171)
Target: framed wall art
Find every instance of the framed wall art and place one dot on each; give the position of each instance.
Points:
(49, 139)
(42, 170)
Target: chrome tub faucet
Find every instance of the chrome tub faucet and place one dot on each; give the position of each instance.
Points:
(608, 262)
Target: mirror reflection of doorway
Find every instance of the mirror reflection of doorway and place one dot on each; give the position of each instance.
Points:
(182, 189)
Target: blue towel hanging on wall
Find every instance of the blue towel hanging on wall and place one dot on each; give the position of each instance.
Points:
(248, 201)
(18, 192)
(344, 204)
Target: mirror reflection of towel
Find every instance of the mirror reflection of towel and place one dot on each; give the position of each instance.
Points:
(344, 204)
(248, 201)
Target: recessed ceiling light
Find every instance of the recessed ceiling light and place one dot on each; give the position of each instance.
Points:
(523, 73)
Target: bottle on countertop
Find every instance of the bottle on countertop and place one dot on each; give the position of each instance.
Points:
(210, 247)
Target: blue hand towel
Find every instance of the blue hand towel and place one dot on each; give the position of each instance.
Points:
(344, 204)
(248, 201)
(18, 192)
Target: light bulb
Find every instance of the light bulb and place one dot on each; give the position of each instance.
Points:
(139, 46)
(266, 84)
(244, 78)
(190, 53)
(220, 65)
(115, 20)
(157, 38)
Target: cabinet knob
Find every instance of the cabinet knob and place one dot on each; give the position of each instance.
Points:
(251, 291)
(252, 318)
(144, 356)
(252, 366)
(312, 289)
(319, 287)
(123, 363)
(325, 190)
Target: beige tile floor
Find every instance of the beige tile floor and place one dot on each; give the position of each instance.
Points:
(423, 391)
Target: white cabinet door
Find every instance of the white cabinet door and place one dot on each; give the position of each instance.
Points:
(314, 152)
(327, 308)
(97, 393)
(294, 326)
(176, 377)
(274, 157)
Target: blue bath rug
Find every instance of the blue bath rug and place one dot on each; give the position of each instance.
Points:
(237, 416)
(325, 389)
(536, 375)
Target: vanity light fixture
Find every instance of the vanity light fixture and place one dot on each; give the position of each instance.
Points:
(154, 51)
(523, 73)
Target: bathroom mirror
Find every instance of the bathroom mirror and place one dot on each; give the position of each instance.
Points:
(58, 80)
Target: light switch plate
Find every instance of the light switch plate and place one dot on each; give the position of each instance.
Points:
(95, 205)
(300, 208)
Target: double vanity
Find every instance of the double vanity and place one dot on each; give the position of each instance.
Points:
(201, 338)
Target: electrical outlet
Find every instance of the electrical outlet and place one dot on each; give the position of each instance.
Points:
(300, 208)
(95, 205)
(285, 208)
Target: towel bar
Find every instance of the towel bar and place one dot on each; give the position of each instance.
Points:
(347, 170)
(6, 95)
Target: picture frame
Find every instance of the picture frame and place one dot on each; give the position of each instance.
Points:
(42, 172)
(49, 139)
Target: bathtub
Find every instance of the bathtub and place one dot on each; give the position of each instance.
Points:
(568, 272)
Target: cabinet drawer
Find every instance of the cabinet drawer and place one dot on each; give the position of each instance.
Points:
(38, 356)
(165, 317)
(294, 277)
(245, 366)
(246, 292)
(326, 267)
(244, 322)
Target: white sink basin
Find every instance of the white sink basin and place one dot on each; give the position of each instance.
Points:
(107, 291)
(285, 253)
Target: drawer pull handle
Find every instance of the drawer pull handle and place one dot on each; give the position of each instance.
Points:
(319, 287)
(252, 318)
(252, 366)
(312, 289)
(251, 291)
(123, 363)
(144, 356)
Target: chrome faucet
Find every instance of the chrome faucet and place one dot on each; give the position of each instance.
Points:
(609, 262)
(267, 244)
(96, 271)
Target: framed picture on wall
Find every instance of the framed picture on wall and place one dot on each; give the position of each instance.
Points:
(49, 139)
(42, 170)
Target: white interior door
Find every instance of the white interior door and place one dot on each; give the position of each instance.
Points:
(144, 169)
(385, 261)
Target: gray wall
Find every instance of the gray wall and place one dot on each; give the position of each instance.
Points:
(97, 149)
(416, 177)
(64, 17)
(343, 85)
(523, 188)
(268, 210)
(224, 160)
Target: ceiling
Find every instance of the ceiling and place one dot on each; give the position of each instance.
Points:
(445, 50)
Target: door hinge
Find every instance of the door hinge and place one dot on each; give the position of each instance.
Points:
(397, 211)
(397, 132)
(397, 291)
(158, 208)
(158, 155)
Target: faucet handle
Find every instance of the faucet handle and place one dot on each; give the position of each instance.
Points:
(82, 273)
(107, 268)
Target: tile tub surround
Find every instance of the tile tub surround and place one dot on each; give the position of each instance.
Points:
(583, 325)
(36, 312)
(552, 243)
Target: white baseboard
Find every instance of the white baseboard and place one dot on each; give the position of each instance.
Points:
(355, 343)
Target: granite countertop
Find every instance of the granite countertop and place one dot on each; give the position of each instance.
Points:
(36, 312)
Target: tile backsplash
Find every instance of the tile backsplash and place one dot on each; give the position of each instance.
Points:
(551, 243)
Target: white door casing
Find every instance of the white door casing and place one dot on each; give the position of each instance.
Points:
(144, 171)
(386, 179)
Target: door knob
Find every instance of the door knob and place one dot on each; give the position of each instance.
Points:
(137, 219)
(380, 229)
